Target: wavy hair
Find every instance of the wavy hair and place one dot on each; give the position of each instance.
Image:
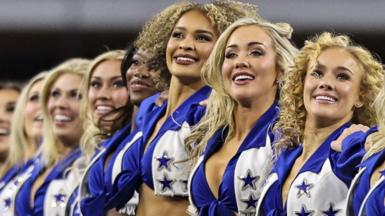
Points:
(75, 66)
(93, 135)
(221, 106)
(291, 124)
(156, 33)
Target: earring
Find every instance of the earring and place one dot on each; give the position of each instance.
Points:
(358, 105)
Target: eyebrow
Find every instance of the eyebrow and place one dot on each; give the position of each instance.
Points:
(197, 31)
(339, 67)
(111, 78)
(249, 44)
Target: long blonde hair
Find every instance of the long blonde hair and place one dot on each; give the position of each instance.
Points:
(93, 135)
(76, 66)
(291, 123)
(378, 139)
(221, 106)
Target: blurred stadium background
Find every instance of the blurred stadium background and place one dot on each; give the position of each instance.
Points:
(35, 35)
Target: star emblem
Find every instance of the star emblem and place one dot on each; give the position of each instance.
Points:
(304, 212)
(331, 211)
(164, 162)
(249, 180)
(304, 188)
(7, 203)
(59, 199)
(166, 183)
(250, 202)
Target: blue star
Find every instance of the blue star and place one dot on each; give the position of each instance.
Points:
(166, 183)
(331, 211)
(249, 180)
(7, 202)
(59, 199)
(304, 188)
(251, 201)
(164, 161)
(304, 212)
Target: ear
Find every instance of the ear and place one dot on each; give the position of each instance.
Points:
(279, 77)
(358, 103)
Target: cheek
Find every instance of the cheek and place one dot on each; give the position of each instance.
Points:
(120, 97)
(50, 106)
(129, 75)
(91, 97)
(226, 70)
(169, 50)
(206, 51)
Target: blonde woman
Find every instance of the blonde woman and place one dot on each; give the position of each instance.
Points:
(47, 185)
(25, 138)
(366, 193)
(244, 70)
(331, 86)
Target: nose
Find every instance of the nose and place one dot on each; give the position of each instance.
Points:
(104, 93)
(142, 71)
(187, 44)
(242, 62)
(326, 83)
(61, 102)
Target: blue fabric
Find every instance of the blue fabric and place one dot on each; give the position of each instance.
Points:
(226, 204)
(99, 178)
(375, 203)
(343, 166)
(23, 199)
(146, 106)
(14, 171)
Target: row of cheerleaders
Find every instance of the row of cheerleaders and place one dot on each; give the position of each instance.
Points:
(213, 111)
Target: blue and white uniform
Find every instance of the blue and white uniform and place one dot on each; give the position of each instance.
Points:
(360, 190)
(374, 201)
(165, 167)
(240, 185)
(56, 200)
(321, 185)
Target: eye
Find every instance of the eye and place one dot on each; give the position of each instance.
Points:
(95, 84)
(204, 38)
(75, 94)
(135, 62)
(316, 74)
(34, 98)
(55, 93)
(10, 107)
(118, 84)
(256, 52)
(230, 55)
(177, 34)
(343, 76)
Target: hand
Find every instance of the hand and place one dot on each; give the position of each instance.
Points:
(204, 102)
(336, 145)
(369, 140)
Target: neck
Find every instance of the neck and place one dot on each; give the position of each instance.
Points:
(133, 117)
(64, 148)
(179, 92)
(316, 133)
(245, 117)
(32, 148)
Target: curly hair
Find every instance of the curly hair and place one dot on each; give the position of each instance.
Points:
(221, 104)
(156, 33)
(291, 124)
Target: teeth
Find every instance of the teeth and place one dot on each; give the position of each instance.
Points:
(62, 118)
(243, 77)
(186, 59)
(325, 98)
(39, 118)
(4, 131)
(104, 108)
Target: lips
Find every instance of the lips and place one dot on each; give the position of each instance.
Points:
(62, 118)
(38, 118)
(185, 59)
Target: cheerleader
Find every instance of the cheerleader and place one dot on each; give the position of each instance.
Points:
(366, 193)
(25, 138)
(244, 71)
(45, 186)
(330, 87)
(9, 93)
(154, 162)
